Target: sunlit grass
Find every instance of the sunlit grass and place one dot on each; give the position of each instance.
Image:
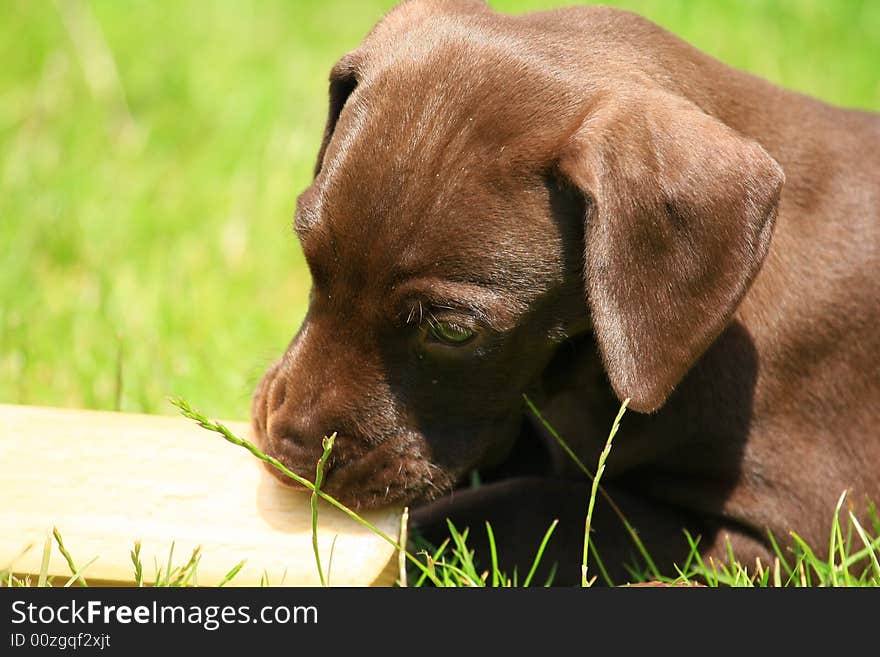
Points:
(152, 152)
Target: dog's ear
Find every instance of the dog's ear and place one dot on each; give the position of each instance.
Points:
(680, 211)
(343, 80)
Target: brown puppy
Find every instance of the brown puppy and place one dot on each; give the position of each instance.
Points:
(578, 206)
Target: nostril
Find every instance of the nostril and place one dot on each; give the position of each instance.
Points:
(292, 433)
(277, 394)
(297, 439)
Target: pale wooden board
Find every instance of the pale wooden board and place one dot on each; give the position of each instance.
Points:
(107, 479)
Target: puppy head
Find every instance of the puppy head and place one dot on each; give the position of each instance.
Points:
(474, 205)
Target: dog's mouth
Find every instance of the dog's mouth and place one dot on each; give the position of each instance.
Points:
(364, 478)
(379, 477)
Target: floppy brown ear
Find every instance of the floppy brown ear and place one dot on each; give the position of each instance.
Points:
(679, 219)
(343, 81)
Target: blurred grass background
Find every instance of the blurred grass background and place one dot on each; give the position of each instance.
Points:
(151, 152)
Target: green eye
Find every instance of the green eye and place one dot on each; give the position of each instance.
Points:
(451, 333)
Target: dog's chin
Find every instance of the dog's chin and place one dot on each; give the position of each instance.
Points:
(374, 479)
(366, 484)
(358, 487)
(527, 454)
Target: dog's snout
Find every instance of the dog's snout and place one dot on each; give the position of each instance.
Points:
(298, 438)
(292, 420)
(293, 411)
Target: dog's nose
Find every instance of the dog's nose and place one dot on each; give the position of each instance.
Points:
(313, 391)
(300, 438)
(285, 425)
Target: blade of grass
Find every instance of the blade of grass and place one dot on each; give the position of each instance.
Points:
(808, 556)
(232, 573)
(7, 574)
(327, 444)
(464, 577)
(874, 515)
(465, 556)
(431, 559)
(66, 555)
(138, 566)
(779, 554)
(692, 554)
(329, 561)
(191, 574)
(404, 538)
(603, 457)
(600, 564)
(493, 555)
(78, 575)
(540, 553)
(761, 574)
(836, 540)
(634, 535)
(694, 545)
(551, 576)
(872, 553)
(185, 573)
(44, 563)
(10, 580)
(166, 578)
(187, 411)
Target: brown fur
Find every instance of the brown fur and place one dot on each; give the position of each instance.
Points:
(618, 215)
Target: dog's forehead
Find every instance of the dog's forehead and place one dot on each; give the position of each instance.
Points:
(395, 224)
(436, 160)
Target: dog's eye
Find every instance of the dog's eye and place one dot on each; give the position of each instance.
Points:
(451, 333)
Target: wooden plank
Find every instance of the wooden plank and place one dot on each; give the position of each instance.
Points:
(107, 479)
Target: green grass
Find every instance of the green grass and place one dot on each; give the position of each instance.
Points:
(164, 575)
(151, 152)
